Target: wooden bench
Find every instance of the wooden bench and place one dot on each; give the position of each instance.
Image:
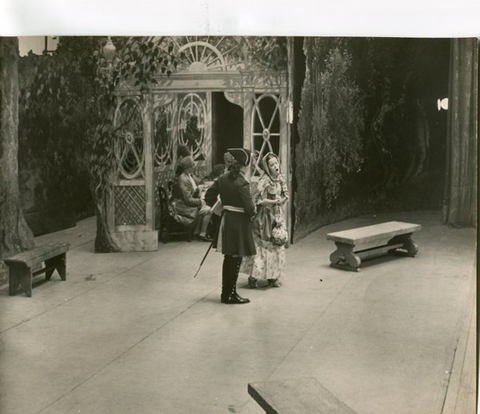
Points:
(396, 234)
(295, 396)
(22, 266)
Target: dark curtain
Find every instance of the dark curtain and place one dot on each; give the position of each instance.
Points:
(460, 204)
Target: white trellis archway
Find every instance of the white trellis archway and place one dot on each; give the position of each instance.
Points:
(177, 110)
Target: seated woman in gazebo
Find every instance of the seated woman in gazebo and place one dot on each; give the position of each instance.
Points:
(190, 209)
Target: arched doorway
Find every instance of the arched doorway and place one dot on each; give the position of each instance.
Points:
(227, 126)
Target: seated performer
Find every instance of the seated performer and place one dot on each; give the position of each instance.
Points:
(189, 206)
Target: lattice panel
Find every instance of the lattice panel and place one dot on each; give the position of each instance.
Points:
(130, 206)
(265, 127)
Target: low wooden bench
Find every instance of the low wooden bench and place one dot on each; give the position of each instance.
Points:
(396, 234)
(295, 396)
(22, 266)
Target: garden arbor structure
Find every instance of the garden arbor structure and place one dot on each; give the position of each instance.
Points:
(215, 99)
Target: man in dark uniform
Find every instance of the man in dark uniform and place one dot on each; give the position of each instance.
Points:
(234, 238)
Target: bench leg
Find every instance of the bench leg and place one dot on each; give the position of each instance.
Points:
(59, 263)
(26, 282)
(345, 258)
(13, 279)
(49, 264)
(20, 275)
(410, 247)
(62, 266)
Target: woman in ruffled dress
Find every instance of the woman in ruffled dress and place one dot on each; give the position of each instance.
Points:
(269, 230)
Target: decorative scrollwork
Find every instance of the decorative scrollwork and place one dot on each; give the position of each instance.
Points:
(162, 135)
(191, 124)
(265, 127)
(199, 54)
(234, 97)
(129, 147)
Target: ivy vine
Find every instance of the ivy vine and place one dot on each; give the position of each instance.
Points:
(69, 105)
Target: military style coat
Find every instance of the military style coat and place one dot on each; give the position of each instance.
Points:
(235, 237)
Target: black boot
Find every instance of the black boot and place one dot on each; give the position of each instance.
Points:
(234, 297)
(226, 286)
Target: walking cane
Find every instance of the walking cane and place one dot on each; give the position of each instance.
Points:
(204, 257)
(217, 203)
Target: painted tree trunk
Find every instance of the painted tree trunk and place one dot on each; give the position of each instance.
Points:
(460, 204)
(15, 235)
(101, 182)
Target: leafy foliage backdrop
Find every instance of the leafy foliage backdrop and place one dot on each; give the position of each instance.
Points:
(370, 138)
(367, 137)
(67, 132)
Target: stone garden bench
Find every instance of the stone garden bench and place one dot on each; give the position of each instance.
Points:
(393, 237)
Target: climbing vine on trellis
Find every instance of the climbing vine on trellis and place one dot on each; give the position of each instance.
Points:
(268, 53)
(70, 104)
(137, 61)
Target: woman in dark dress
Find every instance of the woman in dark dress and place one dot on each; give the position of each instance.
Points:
(235, 238)
(189, 207)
